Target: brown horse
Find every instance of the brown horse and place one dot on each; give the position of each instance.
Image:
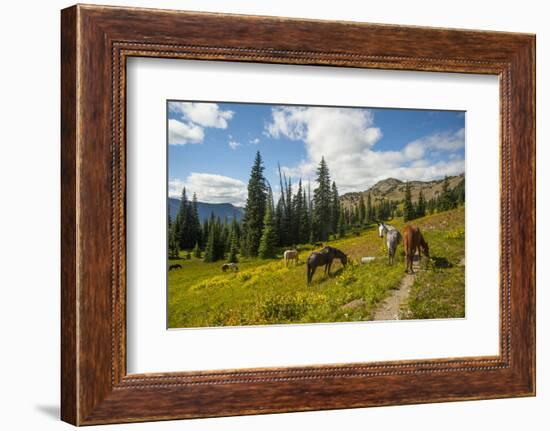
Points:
(412, 241)
(324, 258)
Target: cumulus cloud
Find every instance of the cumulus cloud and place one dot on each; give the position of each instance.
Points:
(210, 188)
(325, 131)
(194, 118)
(234, 144)
(254, 141)
(180, 133)
(347, 138)
(440, 141)
(203, 114)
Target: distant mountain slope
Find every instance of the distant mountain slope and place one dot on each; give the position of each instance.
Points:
(205, 209)
(394, 189)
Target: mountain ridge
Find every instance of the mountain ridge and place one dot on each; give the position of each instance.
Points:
(205, 209)
(393, 189)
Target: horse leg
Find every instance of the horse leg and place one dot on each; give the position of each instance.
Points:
(311, 274)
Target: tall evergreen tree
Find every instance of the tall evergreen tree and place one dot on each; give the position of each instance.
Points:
(304, 221)
(279, 214)
(322, 202)
(173, 246)
(268, 241)
(210, 253)
(197, 251)
(408, 208)
(194, 222)
(204, 233)
(253, 222)
(362, 210)
(298, 208)
(370, 210)
(342, 224)
(233, 247)
(182, 221)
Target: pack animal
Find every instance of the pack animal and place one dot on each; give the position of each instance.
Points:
(393, 238)
(324, 258)
(230, 266)
(413, 241)
(290, 255)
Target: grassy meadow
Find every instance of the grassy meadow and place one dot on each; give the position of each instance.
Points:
(266, 292)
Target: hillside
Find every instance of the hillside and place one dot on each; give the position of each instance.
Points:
(206, 209)
(265, 291)
(394, 189)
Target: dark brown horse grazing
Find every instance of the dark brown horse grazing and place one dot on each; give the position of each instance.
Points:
(412, 241)
(324, 258)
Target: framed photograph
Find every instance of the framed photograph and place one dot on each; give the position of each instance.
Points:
(264, 215)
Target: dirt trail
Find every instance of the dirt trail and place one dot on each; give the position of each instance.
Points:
(389, 308)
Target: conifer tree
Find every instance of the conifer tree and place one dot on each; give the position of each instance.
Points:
(195, 223)
(173, 247)
(341, 223)
(268, 242)
(322, 202)
(233, 248)
(255, 208)
(304, 220)
(298, 208)
(197, 251)
(182, 221)
(362, 210)
(408, 208)
(204, 233)
(210, 251)
(370, 210)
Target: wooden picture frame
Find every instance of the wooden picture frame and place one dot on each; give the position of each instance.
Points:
(95, 43)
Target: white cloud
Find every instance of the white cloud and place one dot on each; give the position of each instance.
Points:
(194, 118)
(180, 133)
(211, 188)
(347, 138)
(440, 141)
(234, 144)
(326, 132)
(254, 141)
(203, 114)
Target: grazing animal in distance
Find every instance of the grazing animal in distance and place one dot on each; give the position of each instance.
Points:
(412, 241)
(174, 266)
(232, 266)
(324, 258)
(290, 255)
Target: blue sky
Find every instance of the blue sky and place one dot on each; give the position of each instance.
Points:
(211, 146)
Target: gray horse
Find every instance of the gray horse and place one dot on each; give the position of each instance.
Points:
(393, 238)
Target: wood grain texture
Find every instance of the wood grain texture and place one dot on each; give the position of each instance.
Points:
(96, 41)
